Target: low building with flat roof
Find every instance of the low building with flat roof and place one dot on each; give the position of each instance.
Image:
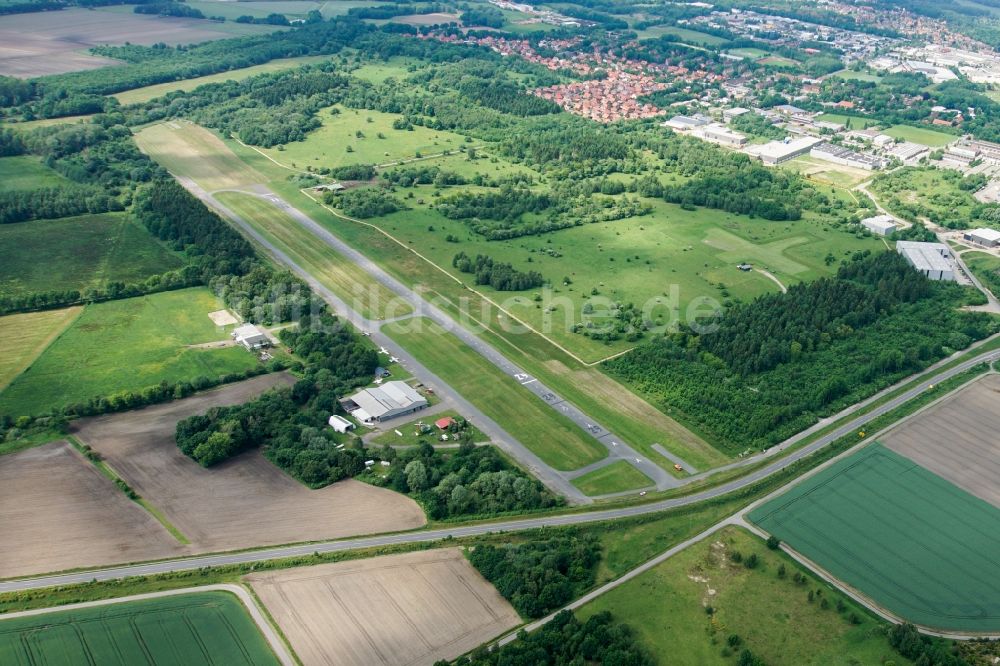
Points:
(883, 225)
(831, 152)
(736, 112)
(777, 152)
(721, 134)
(984, 237)
(251, 337)
(687, 123)
(931, 259)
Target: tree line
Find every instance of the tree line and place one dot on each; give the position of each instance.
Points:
(500, 276)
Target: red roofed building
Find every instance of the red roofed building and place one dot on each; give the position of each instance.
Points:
(445, 423)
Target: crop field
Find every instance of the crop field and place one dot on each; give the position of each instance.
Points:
(79, 253)
(195, 628)
(27, 335)
(902, 536)
(368, 297)
(68, 515)
(772, 616)
(139, 95)
(925, 137)
(26, 172)
(968, 421)
(127, 345)
(413, 609)
(290, 8)
(44, 43)
(190, 151)
(246, 501)
(337, 143)
(617, 477)
(553, 437)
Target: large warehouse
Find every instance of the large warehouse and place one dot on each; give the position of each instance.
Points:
(384, 402)
(931, 259)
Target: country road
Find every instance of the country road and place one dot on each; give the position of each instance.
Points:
(192, 563)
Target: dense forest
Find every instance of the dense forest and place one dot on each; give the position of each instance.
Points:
(500, 276)
(768, 369)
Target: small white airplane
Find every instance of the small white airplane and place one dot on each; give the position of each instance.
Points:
(393, 359)
(383, 350)
(378, 381)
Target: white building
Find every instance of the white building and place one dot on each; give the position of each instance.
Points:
(736, 112)
(687, 123)
(717, 133)
(984, 237)
(777, 152)
(340, 424)
(384, 402)
(907, 152)
(831, 152)
(883, 225)
(251, 337)
(931, 259)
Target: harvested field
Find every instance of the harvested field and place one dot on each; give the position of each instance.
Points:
(44, 43)
(246, 501)
(400, 610)
(956, 439)
(59, 512)
(27, 335)
(901, 536)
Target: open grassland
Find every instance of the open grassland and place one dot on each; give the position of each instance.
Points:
(337, 143)
(151, 92)
(771, 615)
(923, 136)
(857, 76)
(43, 43)
(413, 609)
(617, 477)
(917, 192)
(245, 501)
(856, 122)
(195, 628)
(27, 335)
(907, 539)
(968, 420)
(986, 267)
(127, 345)
(554, 438)
(378, 71)
(681, 34)
(68, 515)
(189, 151)
(822, 173)
(412, 434)
(26, 172)
(78, 253)
(371, 299)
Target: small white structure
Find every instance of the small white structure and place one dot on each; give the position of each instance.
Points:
(883, 225)
(251, 337)
(340, 424)
(984, 237)
(931, 259)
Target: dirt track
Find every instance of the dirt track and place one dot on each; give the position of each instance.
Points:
(957, 439)
(58, 512)
(246, 501)
(399, 610)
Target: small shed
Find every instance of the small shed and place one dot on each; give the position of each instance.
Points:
(340, 424)
(444, 423)
(251, 337)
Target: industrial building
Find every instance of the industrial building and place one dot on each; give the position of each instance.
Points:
(717, 133)
(907, 152)
(384, 402)
(777, 152)
(251, 337)
(984, 237)
(931, 259)
(729, 114)
(883, 225)
(687, 123)
(840, 155)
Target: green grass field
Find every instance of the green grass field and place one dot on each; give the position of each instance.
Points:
(127, 345)
(336, 143)
(683, 35)
(857, 122)
(917, 192)
(925, 137)
(772, 616)
(351, 283)
(139, 95)
(378, 71)
(751, 53)
(80, 253)
(617, 477)
(899, 534)
(25, 172)
(196, 628)
(412, 435)
(857, 76)
(26, 336)
(554, 438)
(986, 267)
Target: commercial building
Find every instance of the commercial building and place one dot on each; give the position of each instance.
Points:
(840, 155)
(883, 225)
(251, 337)
(687, 123)
(984, 237)
(931, 259)
(721, 134)
(907, 152)
(777, 152)
(384, 402)
(736, 112)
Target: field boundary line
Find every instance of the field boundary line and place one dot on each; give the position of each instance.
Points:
(283, 654)
(45, 344)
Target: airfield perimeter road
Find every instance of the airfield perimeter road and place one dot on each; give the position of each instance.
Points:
(191, 563)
